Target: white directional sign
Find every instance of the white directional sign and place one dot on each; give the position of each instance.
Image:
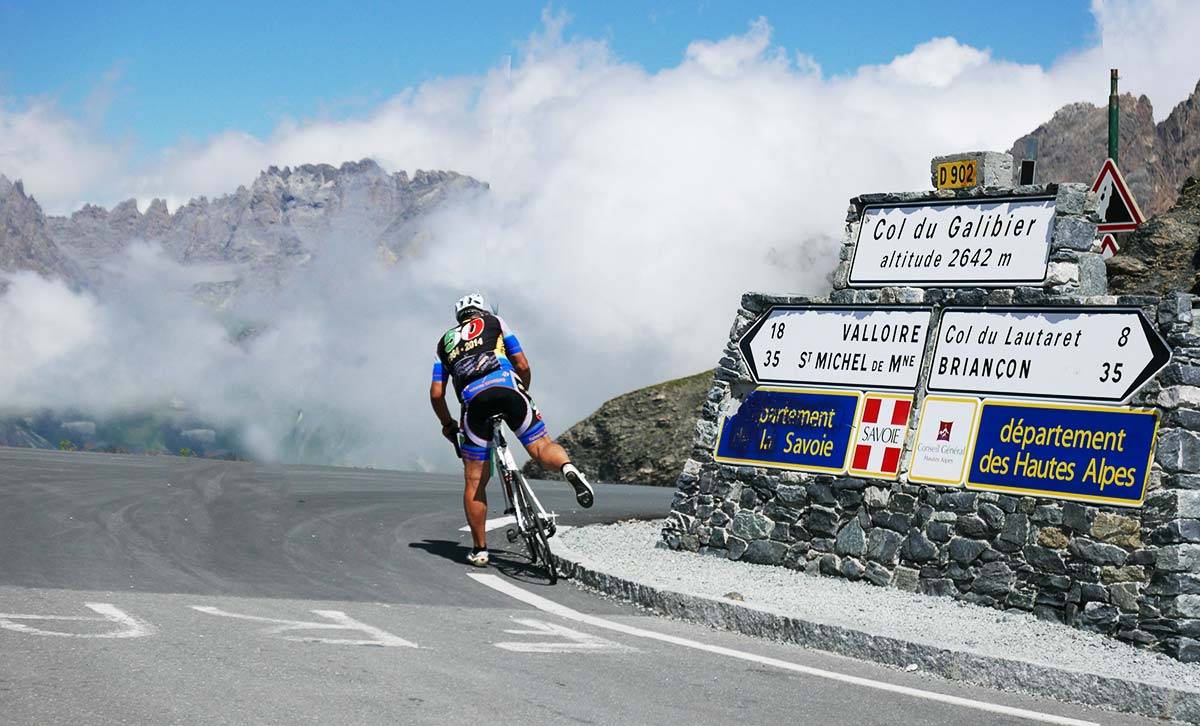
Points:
(959, 242)
(1092, 354)
(830, 345)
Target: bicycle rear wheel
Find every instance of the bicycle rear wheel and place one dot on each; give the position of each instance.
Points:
(536, 538)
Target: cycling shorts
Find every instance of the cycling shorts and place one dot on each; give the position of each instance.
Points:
(518, 410)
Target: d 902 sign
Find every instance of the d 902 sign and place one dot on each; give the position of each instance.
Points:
(955, 174)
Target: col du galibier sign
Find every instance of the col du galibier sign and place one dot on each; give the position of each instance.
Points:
(979, 241)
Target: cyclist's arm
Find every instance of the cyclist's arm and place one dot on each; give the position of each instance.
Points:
(437, 398)
(516, 355)
(521, 366)
(437, 395)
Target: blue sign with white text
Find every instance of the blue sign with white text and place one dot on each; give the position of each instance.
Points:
(1088, 453)
(790, 429)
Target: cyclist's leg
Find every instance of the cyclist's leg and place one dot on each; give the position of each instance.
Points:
(477, 432)
(547, 452)
(475, 476)
(523, 417)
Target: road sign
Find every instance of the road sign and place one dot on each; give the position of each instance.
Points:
(840, 346)
(1069, 353)
(978, 241)
(944, 433)
(1108, 246)
(957, 174)
(1088, 453)
(789, 428)
(879, 438)
(1115, 204)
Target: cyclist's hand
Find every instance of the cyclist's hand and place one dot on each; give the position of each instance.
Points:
(450, 431)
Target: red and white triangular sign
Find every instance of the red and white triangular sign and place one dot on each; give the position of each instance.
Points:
(1108, 246)
(1117, 209)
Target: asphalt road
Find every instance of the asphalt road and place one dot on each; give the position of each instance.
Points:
(161, 590)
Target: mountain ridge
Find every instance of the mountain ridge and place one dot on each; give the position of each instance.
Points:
(282, 218)
(1154, 158)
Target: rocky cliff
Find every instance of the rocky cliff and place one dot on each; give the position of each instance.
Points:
(1154, 158)
(1163, 254)
(641, 437)
(280, 221)
(25, 243)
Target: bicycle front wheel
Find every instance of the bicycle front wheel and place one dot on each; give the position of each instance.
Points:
(546, 556)
(537, 539)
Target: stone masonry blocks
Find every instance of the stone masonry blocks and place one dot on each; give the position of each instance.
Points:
(1133, 574)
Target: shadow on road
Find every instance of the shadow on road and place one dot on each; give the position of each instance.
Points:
(514, 565)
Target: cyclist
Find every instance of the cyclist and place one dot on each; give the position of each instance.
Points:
(491, 376)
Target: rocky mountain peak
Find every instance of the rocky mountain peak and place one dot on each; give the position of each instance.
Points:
(125, 212)
(320, 173)
(285, 217)
(24, 242)
(14, 192)
(1155, 158)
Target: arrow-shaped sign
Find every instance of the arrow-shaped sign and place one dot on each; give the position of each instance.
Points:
(1069, 353)
(839, 346)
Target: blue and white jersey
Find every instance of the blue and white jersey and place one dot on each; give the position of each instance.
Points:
(475, 354)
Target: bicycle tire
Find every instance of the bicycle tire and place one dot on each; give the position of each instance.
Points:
(546, 555)
(536, 539)
(521, 505)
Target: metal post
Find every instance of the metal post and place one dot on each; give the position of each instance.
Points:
(1113, 115)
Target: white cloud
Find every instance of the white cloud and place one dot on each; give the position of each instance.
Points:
(1154, 45)
(60, 160)
(728, 57)
(43, 322)
(935, 63)
(628, 211)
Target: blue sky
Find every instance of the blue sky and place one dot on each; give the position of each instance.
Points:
(154, 74)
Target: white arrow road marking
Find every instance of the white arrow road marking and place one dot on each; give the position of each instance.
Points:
(576, 642)
(341, 621)
(131, 626)
(554, 608)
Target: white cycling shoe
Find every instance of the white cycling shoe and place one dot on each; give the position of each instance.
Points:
(583, 491)
(478, 557)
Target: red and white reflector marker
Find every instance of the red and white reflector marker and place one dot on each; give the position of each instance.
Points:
(1115, 204)
(1109, 246)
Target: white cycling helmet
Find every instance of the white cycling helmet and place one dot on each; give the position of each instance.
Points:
(474, 301)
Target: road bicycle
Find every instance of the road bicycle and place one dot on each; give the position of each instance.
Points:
(533, 523)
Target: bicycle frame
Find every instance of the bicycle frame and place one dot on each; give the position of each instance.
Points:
(502, 462)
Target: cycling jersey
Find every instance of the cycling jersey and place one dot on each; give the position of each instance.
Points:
(475, 354)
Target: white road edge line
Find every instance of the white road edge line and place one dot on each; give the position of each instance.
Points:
(541, 603)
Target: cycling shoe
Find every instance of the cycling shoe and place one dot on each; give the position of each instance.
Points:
(583, 491)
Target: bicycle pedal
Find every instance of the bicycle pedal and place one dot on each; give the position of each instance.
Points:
(511, 534)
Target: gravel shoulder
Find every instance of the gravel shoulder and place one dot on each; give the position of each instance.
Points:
(1015, 651)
